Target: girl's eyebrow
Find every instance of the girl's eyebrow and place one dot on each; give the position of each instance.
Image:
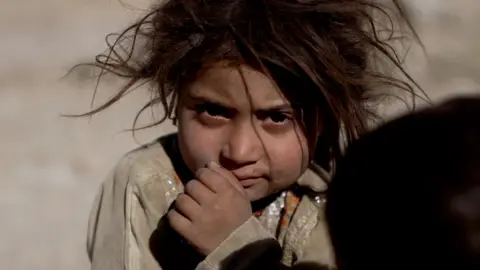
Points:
(275, 108)
(218, 102)
(213, 101)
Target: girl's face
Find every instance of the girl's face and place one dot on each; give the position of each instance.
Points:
(246, 125)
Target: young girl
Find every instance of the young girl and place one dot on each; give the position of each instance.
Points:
(264, 93)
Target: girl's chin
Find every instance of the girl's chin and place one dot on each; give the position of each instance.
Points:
(253, 193)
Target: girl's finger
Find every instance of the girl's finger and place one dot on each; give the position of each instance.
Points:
(180, 224)
(187, 206)
(212, 179)
(227, 175)
(198, 191)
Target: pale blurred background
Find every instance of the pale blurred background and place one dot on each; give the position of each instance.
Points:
(51, 167)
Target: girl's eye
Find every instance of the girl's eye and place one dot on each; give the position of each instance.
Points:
(277, 118)
(213, 110)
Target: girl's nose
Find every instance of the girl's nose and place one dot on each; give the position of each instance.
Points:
(243, 147)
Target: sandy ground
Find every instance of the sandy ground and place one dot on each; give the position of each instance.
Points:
(50, 167)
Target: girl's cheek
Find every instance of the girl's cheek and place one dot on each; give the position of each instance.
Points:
(291, 154)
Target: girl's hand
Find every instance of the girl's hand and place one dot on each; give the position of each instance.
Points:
(212, 207)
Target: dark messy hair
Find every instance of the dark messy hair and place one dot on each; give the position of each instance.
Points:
(323, 54)
(389, 209)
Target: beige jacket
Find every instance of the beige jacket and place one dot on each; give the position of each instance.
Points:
(138, 192)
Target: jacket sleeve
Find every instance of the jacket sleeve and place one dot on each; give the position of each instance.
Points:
(250, 232)
(106, 236)
(259, 255)
(122, 220)
(263, 254)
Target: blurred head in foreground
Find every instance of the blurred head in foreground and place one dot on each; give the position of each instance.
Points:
(407, 195)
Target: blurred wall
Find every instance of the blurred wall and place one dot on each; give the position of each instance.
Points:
(50, 167)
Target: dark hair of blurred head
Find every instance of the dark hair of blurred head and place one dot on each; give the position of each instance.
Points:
(407, 195)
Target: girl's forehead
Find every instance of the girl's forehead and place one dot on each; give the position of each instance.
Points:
(237, 86)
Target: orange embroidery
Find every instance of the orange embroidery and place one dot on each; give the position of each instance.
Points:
(258, 213)
(291, 203)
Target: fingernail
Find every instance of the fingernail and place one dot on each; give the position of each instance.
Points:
(213, 164)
